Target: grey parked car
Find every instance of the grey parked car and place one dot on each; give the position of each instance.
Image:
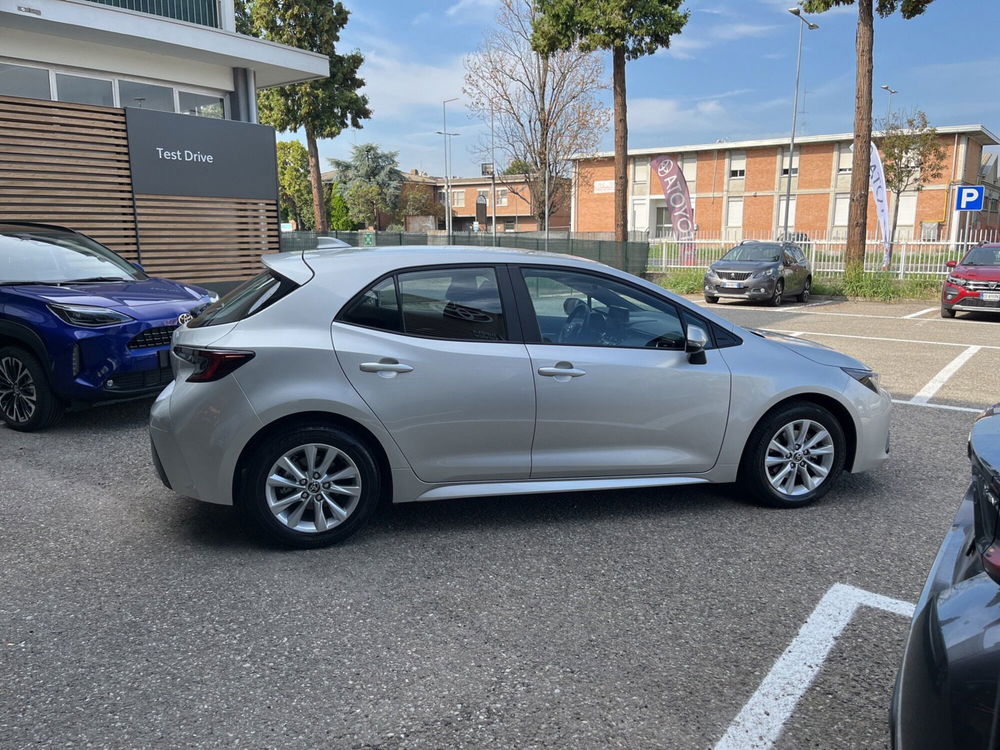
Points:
(338, 378)
(760, 271)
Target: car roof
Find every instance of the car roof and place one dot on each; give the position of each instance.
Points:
(6, 226)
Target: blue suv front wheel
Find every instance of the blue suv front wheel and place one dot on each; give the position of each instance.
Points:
(27, 402)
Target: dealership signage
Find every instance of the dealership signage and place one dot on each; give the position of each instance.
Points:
(199, 156)
(675, 191)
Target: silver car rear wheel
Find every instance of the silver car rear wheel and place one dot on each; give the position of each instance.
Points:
(799, 457)
(313, 488)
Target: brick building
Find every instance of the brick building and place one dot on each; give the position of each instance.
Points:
(738, 188)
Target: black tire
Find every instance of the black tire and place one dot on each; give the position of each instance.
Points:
(779, 291)
(45, 408)
(947, 312)
(803, 296)
(753, 473)
(711, 300)
(253, 497)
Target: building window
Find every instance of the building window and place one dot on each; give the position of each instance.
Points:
(145, 96)
(458, 198)
(737, 165)
(501, 196)
(483, 193)
(907, 216)
(201, 105)
(784, 163)
(844, 159)
(509, 225)
(664, 224)
(689, 166)
(640, 171)
(83, 90)
(20, 80)
(781, 214)
(841, 209)
(734, 212)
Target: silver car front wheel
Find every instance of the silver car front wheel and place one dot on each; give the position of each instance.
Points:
(799, 457)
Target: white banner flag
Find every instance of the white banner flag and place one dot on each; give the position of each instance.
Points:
(876, 179)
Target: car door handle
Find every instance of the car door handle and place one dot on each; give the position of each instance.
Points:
(385, 367)
(555, 372)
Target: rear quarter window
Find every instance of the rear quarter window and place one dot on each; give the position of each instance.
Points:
(255, 295)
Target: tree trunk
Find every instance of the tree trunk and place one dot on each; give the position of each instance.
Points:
(857, 219)
(621, 145)
(316, 180)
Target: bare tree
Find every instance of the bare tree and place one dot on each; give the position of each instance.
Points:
(912, 156)
(544, 108)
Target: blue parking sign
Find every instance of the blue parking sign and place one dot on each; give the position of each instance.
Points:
(969, 197)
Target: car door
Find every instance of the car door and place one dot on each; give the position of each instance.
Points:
(436, 354)
(616, 393)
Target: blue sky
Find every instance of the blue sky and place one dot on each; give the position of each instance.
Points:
(729, 75)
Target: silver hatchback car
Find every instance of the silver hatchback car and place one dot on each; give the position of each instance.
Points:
(335, 379)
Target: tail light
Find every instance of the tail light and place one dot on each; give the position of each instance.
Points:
(991, 562)
(211, 364)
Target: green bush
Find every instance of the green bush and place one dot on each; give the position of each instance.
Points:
(683, 280)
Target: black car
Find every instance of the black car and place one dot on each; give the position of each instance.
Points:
(760, 271)
(946, 694)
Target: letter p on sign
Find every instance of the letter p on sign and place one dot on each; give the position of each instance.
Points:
(969, 197)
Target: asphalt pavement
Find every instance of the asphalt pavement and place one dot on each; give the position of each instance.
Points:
(133, 618)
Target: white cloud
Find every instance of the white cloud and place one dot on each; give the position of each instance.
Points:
(395, 85)
(472, 10)
(654, 115)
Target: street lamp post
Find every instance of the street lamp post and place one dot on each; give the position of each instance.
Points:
(888, 107)
(447, 163)
(797, 12)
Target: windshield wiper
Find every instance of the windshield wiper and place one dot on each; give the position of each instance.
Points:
(32, 283)
(97, 278)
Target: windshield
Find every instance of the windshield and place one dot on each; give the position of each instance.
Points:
(37, 255)
(757, 252)
(983, 256)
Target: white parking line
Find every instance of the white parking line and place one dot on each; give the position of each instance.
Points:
(763, 717)
(927, 392)
(877, 338)
(798, 310)
(922, 312)
(948, 407)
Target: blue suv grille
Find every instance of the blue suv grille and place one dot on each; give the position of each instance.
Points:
(152, 337)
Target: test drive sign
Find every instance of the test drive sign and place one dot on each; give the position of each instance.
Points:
(186, 155)
(675, 191)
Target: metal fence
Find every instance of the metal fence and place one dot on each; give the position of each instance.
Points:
(909, 257)
(203, 12)
(627, 256)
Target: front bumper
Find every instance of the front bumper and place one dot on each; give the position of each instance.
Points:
(959, 298)
(752, 289)
(922, 711)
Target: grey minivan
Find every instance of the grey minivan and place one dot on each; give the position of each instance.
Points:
(422, 373)
(760, 271)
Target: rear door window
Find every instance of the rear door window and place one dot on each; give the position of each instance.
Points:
(452, 303)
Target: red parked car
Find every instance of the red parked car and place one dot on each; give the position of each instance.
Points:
(973, 285)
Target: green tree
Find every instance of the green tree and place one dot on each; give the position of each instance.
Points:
(340, 215)
(321, 108)
(421, 203)
(372, 182)
(294, 193)
(857, 219)
(518, 166)
(912, 156)
(630, 29)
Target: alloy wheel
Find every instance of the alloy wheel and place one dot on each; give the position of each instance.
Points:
(799, 457)
(18, 395)
(313, 488)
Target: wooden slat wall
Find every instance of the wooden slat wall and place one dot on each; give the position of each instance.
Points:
(205, 239)
(67, 164)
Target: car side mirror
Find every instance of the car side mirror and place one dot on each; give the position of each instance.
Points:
(695, 345)
(951, 263)
(138, 266)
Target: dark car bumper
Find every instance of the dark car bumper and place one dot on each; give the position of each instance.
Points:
(947, 684)
(752, 289)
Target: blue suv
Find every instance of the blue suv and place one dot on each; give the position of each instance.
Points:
(79, 324)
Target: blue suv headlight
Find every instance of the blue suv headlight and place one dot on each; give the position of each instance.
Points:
(89, 316)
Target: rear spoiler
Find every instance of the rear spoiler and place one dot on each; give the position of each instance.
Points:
(291, 266)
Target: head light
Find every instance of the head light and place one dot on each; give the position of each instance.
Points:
(957, 280)
(868, 378)
(765, 272)
(89, 316)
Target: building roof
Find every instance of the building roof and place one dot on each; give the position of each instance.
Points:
(979, 132)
